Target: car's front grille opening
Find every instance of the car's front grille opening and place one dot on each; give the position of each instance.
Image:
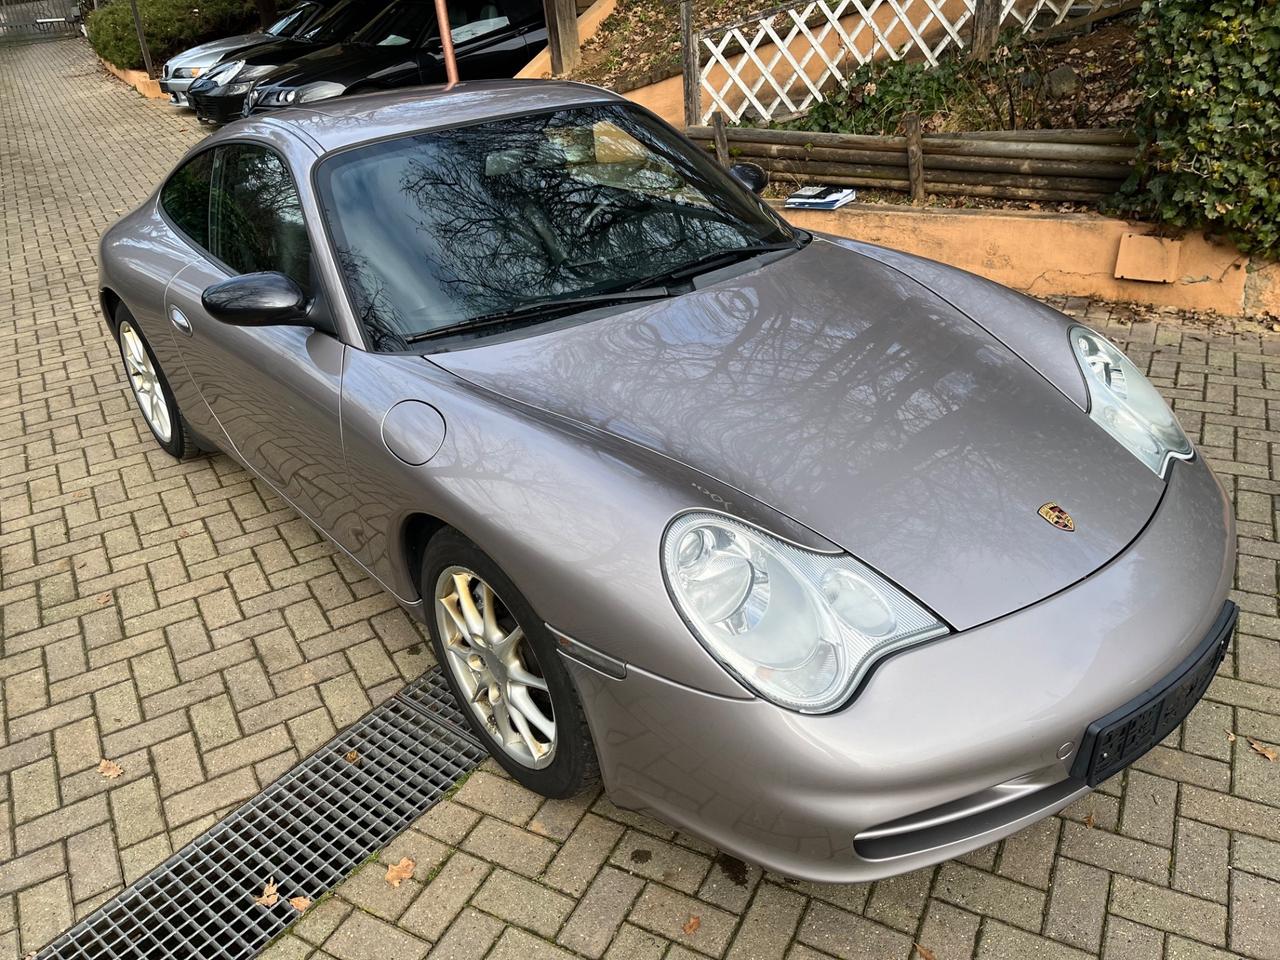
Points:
(965, 818)
(305, 832)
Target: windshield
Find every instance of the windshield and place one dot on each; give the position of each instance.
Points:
(435, 229)
(292, 21)
(400, 24)
(341, 22)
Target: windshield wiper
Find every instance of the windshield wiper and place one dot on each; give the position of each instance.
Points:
(536, 311)
(712, 260)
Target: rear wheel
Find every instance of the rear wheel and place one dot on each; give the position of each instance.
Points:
(502, 665)
(150, 388)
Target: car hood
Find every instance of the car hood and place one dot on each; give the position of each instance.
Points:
(343, 63)
(850, 397)
(278, 51)
(207, 54)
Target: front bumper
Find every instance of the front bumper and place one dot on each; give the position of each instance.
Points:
(951, 745)
(218, 108)
(176, 88)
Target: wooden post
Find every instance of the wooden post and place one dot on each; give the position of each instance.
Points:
(915, 157)
(562, 35)
(142, 38)
(721, 139)
(986, 28)
(692, 66)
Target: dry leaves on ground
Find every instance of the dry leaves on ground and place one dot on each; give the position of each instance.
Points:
(692, 924)
(1231, 737)
(352, 757)
(110, 769)
(103, 599)
(300, 903)
(400, 871)
(269, 895)
(1089, 821)
(925, 953)
(1258, 747)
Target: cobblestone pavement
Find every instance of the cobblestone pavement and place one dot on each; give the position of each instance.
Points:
(179, 620)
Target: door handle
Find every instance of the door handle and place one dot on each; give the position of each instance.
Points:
(179, 320)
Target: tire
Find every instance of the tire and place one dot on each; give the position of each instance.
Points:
(140, 364)
(571, 765)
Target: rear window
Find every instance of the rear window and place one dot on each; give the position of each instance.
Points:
(185, 197)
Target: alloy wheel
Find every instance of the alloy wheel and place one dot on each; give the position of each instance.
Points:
(145, 381)
(495, 667)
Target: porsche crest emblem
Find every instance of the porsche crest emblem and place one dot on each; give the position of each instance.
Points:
(1057, 516)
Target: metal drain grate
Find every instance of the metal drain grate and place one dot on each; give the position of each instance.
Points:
(306, 831)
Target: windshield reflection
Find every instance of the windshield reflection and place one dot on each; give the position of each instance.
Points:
(442, 227)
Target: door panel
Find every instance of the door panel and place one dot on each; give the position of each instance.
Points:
(273, 391)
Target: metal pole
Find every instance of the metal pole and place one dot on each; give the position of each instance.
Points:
(142, 39)
(446, 41)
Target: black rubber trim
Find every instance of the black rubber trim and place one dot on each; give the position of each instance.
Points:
(1115, 741)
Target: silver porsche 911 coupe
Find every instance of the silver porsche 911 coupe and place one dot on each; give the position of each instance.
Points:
(843, 560)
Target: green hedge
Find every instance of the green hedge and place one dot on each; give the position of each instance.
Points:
(171, 27)
(1210, 120)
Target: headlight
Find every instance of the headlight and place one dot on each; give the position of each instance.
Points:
(1125, 404)
(320, 90)
(799, 628)
(223, 72)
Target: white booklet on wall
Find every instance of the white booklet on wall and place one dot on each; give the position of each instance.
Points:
(821, 198)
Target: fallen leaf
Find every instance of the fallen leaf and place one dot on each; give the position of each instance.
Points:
(352, 757)
(1089, 821)
(109, 769)
(269, 895)
(692, 924)
(1262, 749)
(400, 871)
(925, 953)
(299, 903)
(1231, 737)
(103, 599)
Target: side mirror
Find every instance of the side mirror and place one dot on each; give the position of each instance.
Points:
(257, 300)
(751, 175)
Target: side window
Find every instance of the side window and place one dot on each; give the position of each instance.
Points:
(469, 19)
(257, 217)
(185, 197)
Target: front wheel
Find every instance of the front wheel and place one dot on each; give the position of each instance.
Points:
(503, 667)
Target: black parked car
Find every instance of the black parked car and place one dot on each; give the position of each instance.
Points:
(401, 47)
(219, 95)
(182, 69)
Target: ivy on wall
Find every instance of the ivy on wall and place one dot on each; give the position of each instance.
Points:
(1209, 121)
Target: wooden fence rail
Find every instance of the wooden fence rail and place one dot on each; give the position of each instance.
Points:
(1051, 165)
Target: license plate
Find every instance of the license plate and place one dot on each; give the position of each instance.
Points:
(1122, 736)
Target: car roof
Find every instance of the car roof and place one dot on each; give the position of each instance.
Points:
(344, 121)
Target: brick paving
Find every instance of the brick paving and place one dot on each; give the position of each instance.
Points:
(180, 620)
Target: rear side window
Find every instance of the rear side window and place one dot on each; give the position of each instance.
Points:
(185, 197)
(257, 216)
(469, 19)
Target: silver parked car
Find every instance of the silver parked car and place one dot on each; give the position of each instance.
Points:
(843, 560)
(183, 69)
